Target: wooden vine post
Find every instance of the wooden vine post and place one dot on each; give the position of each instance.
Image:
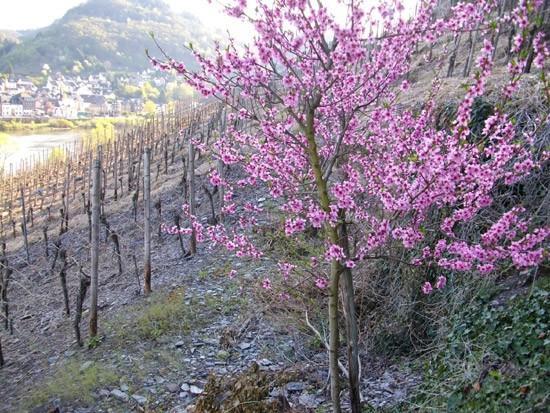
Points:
(191, 180)
(24, 225)
(96, 210)
(147, 220)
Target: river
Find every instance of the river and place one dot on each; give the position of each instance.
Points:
(15, 148)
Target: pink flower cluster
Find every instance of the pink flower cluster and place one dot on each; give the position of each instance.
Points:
(266, 284)
(334, 253)
(542, 51)
(387, 169)
(440, 284)
(215, 179)
(321, 283)
(294, 225)
(286, 268)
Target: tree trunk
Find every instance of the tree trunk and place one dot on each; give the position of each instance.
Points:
(221, 188)
(213, 219)
(324, 200)
(180, 237)
(4, 296)
(352, 331)
(536, 27)
(510, 44)
(472, 40)
(496, 35)
(334, 337)
(116, 249)
(531, 52)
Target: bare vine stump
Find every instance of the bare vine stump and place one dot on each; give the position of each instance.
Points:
(63, 279)
(24, 225)
(158, 207)
(116, 246)
(137, 274)
(1, 354)
(4, 281)
(46, 246)
(84, 284)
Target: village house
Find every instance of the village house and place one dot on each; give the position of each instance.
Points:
(66, 97)
(95, 105)
(11, 110)
(27, 102)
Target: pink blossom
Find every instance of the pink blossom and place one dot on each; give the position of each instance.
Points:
(286, 268)
(417, 262)
(542, 51)
(334, 253)
(321, 283)
(314, 261)
(441, 282)
(294, 225)
(215, 179)
(485, 268)
(427, 288)
(266, 284)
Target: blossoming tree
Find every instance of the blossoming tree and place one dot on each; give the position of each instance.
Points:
(328, 138)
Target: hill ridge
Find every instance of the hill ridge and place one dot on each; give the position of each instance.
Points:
(102, 35)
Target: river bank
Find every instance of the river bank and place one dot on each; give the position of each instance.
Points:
(16, 148)
(51, 125)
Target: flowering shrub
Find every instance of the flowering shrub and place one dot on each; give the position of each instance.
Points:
(327, 137)
(393, 167)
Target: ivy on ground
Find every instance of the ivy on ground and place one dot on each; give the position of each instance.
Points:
(495, 358)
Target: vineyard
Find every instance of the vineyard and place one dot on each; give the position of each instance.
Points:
(53, 210)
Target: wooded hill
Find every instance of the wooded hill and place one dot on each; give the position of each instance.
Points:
(102, 35)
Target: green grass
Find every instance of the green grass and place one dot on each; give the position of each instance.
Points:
(19, 126)
(157, 315)
(167, 314)
(163, 314)
(70, 383)
(3, 138)
(98, 124)
(224, 305)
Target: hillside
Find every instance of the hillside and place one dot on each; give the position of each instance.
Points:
(102, 35)
(8, 41)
